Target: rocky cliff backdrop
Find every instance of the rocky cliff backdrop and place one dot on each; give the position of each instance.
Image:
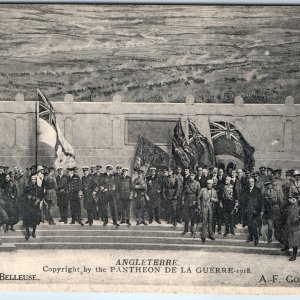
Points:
(150, 53)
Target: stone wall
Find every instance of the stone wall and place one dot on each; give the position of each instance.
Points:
(106, 132)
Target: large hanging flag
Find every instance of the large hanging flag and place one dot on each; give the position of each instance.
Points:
(50, 133)
(182, 153)
(203, 152)
(149, 155)
(228, 140)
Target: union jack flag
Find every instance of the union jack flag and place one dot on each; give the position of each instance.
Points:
(46, 110)
(223, 129)
(50, 133)
(228, 140)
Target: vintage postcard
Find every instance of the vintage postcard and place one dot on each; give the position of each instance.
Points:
(150, 148)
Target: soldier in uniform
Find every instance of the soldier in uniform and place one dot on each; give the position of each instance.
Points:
(272, 211)
(191, 192)
(252, 198)
(108, 188)
(50, 194)
(118, 176)
(154, 188)
(207, 198)
(10, 197)
(169, 192)
(180, 180)
(124, 196)
(89, 189)
(97, 181)
(62, 200)
(139, 187)
(73, 188)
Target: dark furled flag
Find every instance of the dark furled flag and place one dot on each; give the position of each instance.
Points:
(228, 140)
(50, 133)
(182, 153)
(149, 155)
(202, 150)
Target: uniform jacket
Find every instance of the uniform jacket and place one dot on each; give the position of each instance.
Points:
(180, 181)
(154, 187)
(62, 182)
(292, 225)
(272, 204)
(169, 187)
(108, 182)
(191, 192)
(50, 183)
(88, 184)
(73, 187)
(124, 187)
(139, 187)
(294, 191)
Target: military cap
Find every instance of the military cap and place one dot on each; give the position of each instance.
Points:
(6, 168)
(152, 168)
(51, 169)
(247, 171)
(85, 168)
(271, 181)
(193, 173)
(33, 167)
(210, 181)
(59, 168)
(262, 168)
(269, 169)
(109, 167)
(1, 167)
(34, 176)
(296, 172)
(165, 169)
(118, 167)
(93, 166)
(141, 171)
(39, 168)
(289, 172)
(277, 171)
(124, 169)
(98, 166)
(71, 168)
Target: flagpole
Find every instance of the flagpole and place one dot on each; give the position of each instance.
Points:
(36, 130)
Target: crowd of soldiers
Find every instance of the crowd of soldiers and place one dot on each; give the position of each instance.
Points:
(202, 199)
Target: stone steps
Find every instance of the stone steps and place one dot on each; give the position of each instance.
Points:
(152, 237)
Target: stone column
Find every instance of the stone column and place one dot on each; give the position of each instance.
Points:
(288, 119)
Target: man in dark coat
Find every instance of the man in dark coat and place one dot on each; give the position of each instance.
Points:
(10, 197)
(252, 199)
(72, 190)
(33, 195)
(124, 196)
(154, 191)
(88, 187)
(239, 187)
(200, 177)
(62, 200)
(118, 178)
(108, 188)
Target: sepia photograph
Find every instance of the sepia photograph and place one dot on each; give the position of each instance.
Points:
(150, 148)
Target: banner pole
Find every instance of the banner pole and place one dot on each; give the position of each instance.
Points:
(36, 130)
